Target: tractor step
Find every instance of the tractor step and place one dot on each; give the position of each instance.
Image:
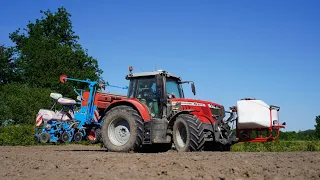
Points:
(147, 133)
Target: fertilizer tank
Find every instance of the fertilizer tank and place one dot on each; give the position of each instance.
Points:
(255, 114)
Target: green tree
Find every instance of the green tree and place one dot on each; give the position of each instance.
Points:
(7, 65)
(48, 48)
(317, 127)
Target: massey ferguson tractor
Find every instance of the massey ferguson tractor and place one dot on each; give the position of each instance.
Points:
(155, 114)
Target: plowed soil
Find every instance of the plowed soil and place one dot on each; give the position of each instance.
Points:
(92, 162)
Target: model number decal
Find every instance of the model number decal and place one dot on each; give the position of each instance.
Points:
(213, 106)
(189, 104)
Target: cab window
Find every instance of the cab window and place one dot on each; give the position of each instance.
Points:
(172, 87)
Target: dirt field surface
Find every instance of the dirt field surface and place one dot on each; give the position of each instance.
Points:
(91, 162)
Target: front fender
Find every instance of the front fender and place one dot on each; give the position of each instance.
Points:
(172, 118)
(135, 104)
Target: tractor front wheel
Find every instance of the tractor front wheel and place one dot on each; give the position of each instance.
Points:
(122, 130)
(188, 134)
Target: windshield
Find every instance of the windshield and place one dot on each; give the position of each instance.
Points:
(173, 87)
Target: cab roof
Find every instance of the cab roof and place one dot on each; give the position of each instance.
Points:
(151, 73)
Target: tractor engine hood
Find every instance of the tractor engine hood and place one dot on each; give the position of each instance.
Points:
(207, 108)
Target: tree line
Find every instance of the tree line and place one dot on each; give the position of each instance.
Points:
(30, 69)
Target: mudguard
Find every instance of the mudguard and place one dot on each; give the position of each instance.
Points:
(189, 111)
(141, 108)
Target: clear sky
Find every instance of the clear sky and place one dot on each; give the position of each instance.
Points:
(268, 49)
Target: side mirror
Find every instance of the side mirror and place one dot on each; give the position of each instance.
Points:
(193, 88)
(159, 80)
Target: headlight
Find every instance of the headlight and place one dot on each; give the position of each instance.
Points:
(176, 106)
(217, 111)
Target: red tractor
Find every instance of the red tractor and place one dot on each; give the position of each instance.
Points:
(156, 114)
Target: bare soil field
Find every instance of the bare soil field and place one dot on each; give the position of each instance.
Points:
(92, 162)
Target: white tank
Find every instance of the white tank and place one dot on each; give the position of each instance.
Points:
(55, 96)
(64, 116)
(255, 114)
(47, 114)
(66, 101)
(58, 115)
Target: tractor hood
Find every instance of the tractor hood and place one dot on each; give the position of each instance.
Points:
(207, 108)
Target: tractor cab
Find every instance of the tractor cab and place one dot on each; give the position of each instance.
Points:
(154, 89)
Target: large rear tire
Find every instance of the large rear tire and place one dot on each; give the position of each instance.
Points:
(188, 133)
(122, 130)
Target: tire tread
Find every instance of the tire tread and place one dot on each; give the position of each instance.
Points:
(138, 122)
(196, 132)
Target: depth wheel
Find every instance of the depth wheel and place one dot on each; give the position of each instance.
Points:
(77, 137)
(36, 139)
(122, 130)
(65, 137)
(188, 133)
(44, 137)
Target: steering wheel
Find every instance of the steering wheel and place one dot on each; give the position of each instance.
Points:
(147, 94)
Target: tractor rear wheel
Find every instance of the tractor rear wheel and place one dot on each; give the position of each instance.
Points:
(122, 130)
(188, 133)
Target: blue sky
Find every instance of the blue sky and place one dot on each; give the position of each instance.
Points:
(269, 50)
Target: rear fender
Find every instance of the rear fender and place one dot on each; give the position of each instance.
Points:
(138, 106)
